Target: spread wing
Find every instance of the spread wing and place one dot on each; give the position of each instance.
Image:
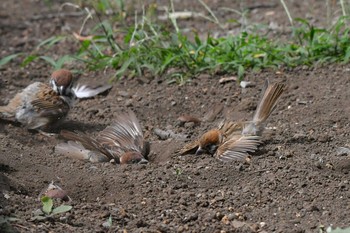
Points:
(270, 95)
(76, 150)
(189, 148)
(231, 128)
(237, 147)
(48, 103)
(84, 141)
(83, 91)
(123, 135)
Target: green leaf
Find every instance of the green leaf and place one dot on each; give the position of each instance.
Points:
(338, 230)
(61, 209)
(108, 223)
(50, 41)
(60, 62)
(49, 60)
(8, 58)
(39, 217)
(240, 72)
(5, 219)
(28, 60)
(47, 204)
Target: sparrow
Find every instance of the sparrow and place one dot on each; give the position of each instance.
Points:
(122, 142)
(40, 105)
(234, 140)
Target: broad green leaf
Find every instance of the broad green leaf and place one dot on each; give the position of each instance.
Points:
(338, 230)
(47, 204)
(61, 209)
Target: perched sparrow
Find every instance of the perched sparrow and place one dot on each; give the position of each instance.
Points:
(42, 106)
(233, 140)
(122, 142)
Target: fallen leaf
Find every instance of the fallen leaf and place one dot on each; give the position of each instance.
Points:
(81, 38)
(228, 79)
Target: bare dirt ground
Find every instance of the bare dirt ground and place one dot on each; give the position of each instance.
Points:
(295, 183)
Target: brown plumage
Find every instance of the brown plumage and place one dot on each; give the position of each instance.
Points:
(42, 106)
(234, 140)
(122, 141)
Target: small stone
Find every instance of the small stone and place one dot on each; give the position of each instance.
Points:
(323, 138)
(343, 151)
(237, 224)
(129, 103)
(225, 220)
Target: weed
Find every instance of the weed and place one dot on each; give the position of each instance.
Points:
(48, 211)
(159, 50)
(108, 223)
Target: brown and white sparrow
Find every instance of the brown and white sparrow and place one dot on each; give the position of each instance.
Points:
(234, 140)
(43, 106)
(40, 105)
(122, 142)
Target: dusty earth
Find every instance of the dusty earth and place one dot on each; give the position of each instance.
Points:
(297, 182)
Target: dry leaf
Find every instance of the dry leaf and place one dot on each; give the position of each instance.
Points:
(227, 79)
(81, 38)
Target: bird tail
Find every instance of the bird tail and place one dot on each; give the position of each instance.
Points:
(7, 113)
(269, 97)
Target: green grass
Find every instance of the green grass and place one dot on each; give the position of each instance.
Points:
(149, 47)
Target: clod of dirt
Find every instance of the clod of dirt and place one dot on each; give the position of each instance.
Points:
(187, 118)
(55, 191)
(165, 134)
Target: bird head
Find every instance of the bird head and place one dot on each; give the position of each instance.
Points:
(209, 142)
(132, 157)
(62, 82)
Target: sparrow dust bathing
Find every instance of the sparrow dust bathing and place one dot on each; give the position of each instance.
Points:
(122, 142)
(42, 106)
(234, 140)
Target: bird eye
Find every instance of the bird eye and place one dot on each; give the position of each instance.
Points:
(212, 149)
(133, 161)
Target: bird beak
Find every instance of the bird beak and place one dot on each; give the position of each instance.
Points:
(200, 151)
(143, 161)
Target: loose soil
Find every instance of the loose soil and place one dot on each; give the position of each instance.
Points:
(296, 182)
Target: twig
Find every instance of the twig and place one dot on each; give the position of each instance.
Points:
(258, 171)
(287, 11)
(165, 134)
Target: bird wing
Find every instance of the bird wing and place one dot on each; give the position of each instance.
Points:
(268, 100)
(123, 135)
(83, 91)
(189, 148)
(237, 147)
(76, 150)
(231, 128)
(48, 103)
(86, 142)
